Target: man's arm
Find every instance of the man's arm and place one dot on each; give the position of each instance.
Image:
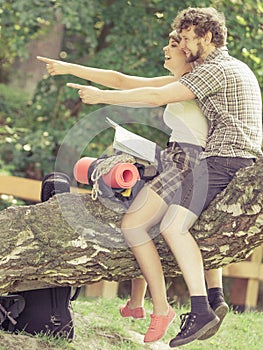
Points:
(139, 97)
(105, 77)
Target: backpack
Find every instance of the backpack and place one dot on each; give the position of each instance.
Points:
(47, 311)
(146, 170)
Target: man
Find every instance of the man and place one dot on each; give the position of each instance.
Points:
(229, 95)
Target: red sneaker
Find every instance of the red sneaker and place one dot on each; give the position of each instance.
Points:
(159, 325)
(137, 313)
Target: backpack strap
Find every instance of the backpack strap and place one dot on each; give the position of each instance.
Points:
(76, 294)
(4, 314)
(56, 314)
(11, 307)
(54, 183)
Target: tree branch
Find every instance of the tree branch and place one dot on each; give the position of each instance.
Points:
(72, 240)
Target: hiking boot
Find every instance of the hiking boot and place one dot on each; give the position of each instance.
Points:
(194, 326)
(220, 310)
(137, 313)
(158, 326)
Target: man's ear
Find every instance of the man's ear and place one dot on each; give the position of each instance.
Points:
(208, 37)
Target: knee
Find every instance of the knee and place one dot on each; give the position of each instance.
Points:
(134, 234)
(170, 223)
(126, 225)
(131, 226)
(178, 220)
(167, 230)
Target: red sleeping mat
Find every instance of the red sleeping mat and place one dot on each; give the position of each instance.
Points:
(122, 175)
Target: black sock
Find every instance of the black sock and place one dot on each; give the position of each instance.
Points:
(215, 296)
(199, 304)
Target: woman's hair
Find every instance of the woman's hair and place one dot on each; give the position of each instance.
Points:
(203, 20)
(175, 36)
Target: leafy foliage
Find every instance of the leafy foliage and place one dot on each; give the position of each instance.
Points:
(125, 35)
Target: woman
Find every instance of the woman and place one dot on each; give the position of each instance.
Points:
(152, 205)
(188, 137)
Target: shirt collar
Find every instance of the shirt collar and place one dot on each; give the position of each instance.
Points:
(218, 51)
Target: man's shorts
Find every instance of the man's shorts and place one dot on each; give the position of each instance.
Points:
(190, 182)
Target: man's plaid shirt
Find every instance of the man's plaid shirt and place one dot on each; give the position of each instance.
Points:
(229, 95)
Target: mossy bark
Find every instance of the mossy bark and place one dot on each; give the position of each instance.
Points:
(73, 240)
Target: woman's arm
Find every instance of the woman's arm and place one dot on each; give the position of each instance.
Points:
(105, 77)
(139, 97)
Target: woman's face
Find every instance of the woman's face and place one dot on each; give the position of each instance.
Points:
(174, 56)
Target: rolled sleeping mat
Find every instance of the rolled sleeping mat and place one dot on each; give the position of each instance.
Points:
(122, 175)
(81, 169)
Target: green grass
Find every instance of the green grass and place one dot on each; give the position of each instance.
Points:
(238, 331)
(99, 326)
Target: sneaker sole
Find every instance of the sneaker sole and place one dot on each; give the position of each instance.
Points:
(174, 343)
(221, 312)
(134, 318)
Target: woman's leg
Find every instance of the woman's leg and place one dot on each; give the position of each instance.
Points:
(138, 291)
(147, 210)
(134, 306)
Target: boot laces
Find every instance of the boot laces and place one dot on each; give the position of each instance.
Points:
(187, 321)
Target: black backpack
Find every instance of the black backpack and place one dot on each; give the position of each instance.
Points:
(47, 311)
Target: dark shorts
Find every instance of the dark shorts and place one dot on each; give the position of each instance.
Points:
(221, 171)
(190, 182)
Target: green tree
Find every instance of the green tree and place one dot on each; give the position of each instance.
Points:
(126, 35)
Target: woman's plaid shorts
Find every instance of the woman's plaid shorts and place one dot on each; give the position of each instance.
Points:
(175, 183)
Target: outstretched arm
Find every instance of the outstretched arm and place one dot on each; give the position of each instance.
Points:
(106, 77)
(139, 97)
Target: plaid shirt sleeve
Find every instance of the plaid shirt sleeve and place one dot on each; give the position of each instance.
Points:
(205, 80)
(230, 98)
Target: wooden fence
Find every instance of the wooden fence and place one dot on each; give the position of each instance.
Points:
(250, 271)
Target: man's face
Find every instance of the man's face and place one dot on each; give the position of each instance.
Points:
(192, 45)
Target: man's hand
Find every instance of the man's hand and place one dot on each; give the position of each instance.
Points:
(88, 94)
(55, 67)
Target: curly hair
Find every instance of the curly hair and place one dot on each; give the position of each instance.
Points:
(203, 20)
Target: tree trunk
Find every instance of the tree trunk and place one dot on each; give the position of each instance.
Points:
(27, 72)
(73, 240)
